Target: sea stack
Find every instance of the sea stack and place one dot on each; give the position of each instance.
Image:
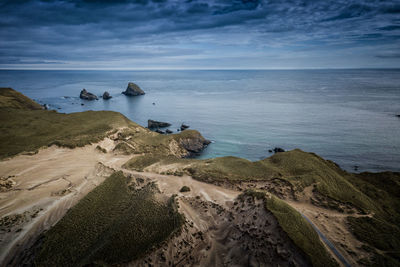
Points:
(133, 90)
(87, 96)
(157, 124)
(106, 95)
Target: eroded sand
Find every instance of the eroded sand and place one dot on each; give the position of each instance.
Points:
(218, 229)
(45, 186)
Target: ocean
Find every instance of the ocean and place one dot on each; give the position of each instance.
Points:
(347, 116)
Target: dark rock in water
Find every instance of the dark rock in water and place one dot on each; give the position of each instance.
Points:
(157, 124)
(82, 104)
(184, 127)
(195, 144)
(154, 104)
(278, 149)
(45, 106)
(356, 167)
(168, 131)
(106, 95)
(398, 115)
(159, 131)
(270, 150)
(87, 96)
(178, 130)
(133, 90)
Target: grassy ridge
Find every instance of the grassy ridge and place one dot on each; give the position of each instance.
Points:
(297, 228)
(28, 130)
(377, 194)
(25, 126)
(381, 232)
(10, 98)
(112, 224)
(300, 168)
(300, 231)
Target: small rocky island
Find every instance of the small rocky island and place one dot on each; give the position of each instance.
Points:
(133, 90)
(87, 95)
(106, 95)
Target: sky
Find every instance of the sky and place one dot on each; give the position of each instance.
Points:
(199, 34)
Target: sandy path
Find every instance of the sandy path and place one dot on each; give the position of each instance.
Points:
(170, 185)
(47, 184)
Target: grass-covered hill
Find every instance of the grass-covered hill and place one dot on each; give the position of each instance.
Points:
(373, 194)
(25, 126)
(9, 98)
(297, 228)
(114, 223)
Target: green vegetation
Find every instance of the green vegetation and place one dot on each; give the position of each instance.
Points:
(27, 130)
(232, 169)
(25, 126)
(382, 231)
(184, 189)
(300, 231)
(376, 232)
(297, 228)
(124, 148)
(139, 163)
(299, 168)
(112, 224)
(10, 98)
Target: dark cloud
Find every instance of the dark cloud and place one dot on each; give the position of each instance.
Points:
(70, 31)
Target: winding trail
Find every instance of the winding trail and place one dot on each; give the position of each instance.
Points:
(327, 242)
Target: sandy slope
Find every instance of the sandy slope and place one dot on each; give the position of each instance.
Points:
(216, 231)
(46, 185)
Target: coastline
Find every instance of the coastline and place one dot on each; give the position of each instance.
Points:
(246, 113)
(55, 178)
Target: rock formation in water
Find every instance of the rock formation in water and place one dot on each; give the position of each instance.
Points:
(87, 96)
(133, 90)
(106, 95)
(157, 124)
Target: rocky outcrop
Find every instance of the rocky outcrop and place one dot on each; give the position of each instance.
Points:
(184, 127)
(278, 149)
(157, 124)
(106, 95)
(159, 131)
(87, 96)
(194, 143)
(133, 90)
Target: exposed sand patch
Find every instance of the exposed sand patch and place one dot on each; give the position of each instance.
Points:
(217, 230)
(50, 182)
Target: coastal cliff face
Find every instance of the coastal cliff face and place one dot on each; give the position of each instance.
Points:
(236, 212)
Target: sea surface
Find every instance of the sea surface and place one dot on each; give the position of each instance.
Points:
(348, 116)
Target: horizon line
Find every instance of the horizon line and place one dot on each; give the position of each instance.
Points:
(183, 69)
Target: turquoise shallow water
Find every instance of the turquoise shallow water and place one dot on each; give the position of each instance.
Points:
(347, 116)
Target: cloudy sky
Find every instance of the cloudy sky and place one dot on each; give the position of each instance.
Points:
(199, 34)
